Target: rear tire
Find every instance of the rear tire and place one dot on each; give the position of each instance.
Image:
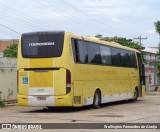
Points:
(96, 100)
(135, 94)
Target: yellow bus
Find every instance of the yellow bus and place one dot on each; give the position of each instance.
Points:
(64, 69)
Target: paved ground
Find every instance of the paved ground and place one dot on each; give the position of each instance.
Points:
(146, 110)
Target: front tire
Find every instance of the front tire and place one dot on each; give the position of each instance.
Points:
(96, 100)
(135, 94)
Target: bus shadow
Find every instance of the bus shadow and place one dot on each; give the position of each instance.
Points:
(78, 109)
(120, 102)
(60, 110)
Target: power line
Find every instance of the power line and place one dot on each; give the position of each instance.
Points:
(13, 20)
(8, 33)
(28, 19)
(63, 13)
(49, 7)
(10, 29)
(101, 22)
(20, 16)
(78, 20)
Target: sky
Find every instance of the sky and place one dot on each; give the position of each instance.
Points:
(122, 18)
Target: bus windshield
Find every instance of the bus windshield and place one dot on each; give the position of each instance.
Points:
(42, 45)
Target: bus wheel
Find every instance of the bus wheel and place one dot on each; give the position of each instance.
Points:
(135, 94)
(96, 99)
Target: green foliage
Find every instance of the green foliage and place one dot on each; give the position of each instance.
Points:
(157, 27)
(98, 36)
(158, 66)
(2, 102)
(158, 63)
(125, 42)
(11, 51)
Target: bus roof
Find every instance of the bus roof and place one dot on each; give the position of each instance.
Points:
(98, 40)
(42, 32)
(92, 39)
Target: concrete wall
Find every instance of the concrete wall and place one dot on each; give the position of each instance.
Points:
(8, 79)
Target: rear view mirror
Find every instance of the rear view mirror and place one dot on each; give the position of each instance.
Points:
(142, 74)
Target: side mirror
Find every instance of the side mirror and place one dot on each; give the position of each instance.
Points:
(143, 81)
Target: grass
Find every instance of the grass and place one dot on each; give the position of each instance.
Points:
(2, 102)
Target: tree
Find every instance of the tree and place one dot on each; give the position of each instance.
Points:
(98, 36)
(2, 101)
(157, 28)
(123, 41)
(11, 51)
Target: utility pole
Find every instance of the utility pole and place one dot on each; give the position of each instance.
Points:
(140, 39)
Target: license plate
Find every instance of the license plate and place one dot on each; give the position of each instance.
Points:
(41, 98)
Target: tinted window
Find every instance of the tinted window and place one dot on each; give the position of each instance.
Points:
(133, 59)
(116, 57)
(42, 45)
(88, 52)
(125, 58)
(81, 51)
(93, 53)
(105, 55)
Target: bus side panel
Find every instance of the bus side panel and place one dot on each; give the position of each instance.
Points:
(89, 88)
(124, 82)
(109, 90)
(105, 86)
(134, 79)
(77, 93)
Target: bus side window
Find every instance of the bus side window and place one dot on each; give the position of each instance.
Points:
(125, 58)
(116, 57)
(133, 62)
(81, 51)
(106, 55)
(93, 53)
